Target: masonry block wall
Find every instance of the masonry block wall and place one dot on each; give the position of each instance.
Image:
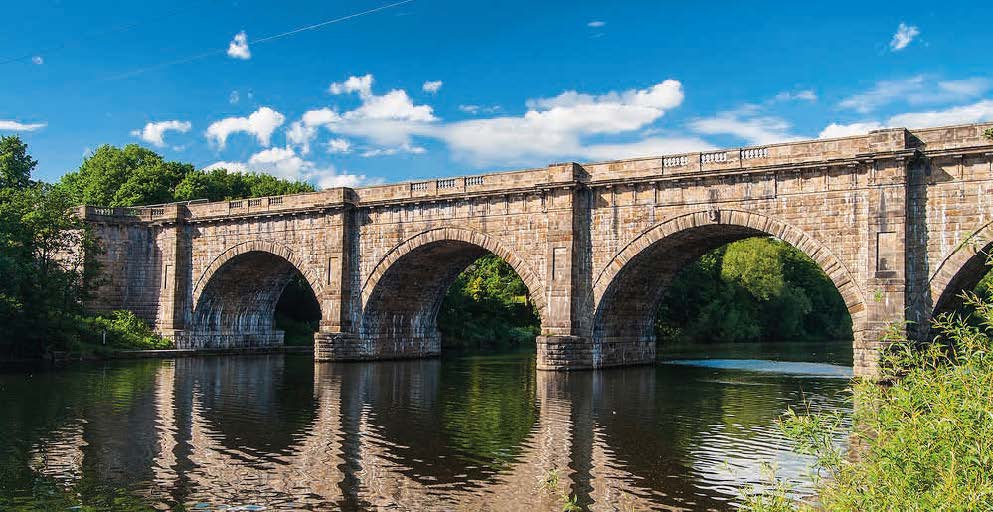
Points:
(897, 219)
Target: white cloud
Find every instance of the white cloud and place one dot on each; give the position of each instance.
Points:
(38, 60)
(555, 127)
(260, 124)
(804, 95)
(917, 90)
(230, 166)
(563, 126)
(903, 36)
(403, 148)
(747, 123)
(339, 146)
(14, 126)
(883, 93)
(234, 97)
(432, 86)
(834, 130)
(653, 146)
(285, 163)
(238, 49)
(359, 84)
(387, 120)
(596, 24)
(967, 88)
(978, 112)
(153, 133)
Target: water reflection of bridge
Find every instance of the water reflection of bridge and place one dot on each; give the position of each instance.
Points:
(368, 436)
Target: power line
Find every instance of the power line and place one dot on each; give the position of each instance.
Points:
(49, 50)
(255, 41)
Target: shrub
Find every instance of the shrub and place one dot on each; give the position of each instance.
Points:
(124, 330)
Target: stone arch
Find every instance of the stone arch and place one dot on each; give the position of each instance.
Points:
(634, 271)
(402, 295)
(476, 238)
(235, 297)
(266, 246)
(959, 270)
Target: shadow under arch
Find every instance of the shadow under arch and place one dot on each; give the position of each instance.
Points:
(626, 293)
(403, 293)
(234, 299)
(959, 271)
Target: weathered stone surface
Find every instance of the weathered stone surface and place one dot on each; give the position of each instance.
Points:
(897, 219)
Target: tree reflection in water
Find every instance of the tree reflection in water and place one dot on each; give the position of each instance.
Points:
(479, 432)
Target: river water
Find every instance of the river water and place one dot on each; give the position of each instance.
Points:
(465, 432)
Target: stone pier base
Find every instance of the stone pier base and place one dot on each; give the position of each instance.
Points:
(193, 340)
(343, 346)
(564, 353)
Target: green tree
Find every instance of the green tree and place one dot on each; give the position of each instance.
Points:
(487, 306)
(133, 175)
(43, 273)
(753, 289)
(16, 164)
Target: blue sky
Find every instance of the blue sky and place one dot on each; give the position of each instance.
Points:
(436, 88)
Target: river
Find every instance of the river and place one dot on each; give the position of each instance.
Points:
(464, 432)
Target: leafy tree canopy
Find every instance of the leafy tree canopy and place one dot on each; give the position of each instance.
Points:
(133, 175)
(16, 164)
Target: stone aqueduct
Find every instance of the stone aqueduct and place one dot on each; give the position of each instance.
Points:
(896, 218)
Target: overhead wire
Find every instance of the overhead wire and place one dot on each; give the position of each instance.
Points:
(251, 42)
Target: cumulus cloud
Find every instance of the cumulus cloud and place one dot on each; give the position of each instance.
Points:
(916, 90)
(230, 166)
(562, 126)
(748, 123)
(403, 148)
(15, 126)
(285, 163)
(834, 130)
(432, 86)
(234, 97)
(359, 84)
(339, 146)
(238, 48)
(37, 60)
(154, 133)
(479, 109)
(387, 120)
(652, 146)
(978, 112)
(596, 24)
(903, 36)
(804, 95)
(556, 127)
(261, 124)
